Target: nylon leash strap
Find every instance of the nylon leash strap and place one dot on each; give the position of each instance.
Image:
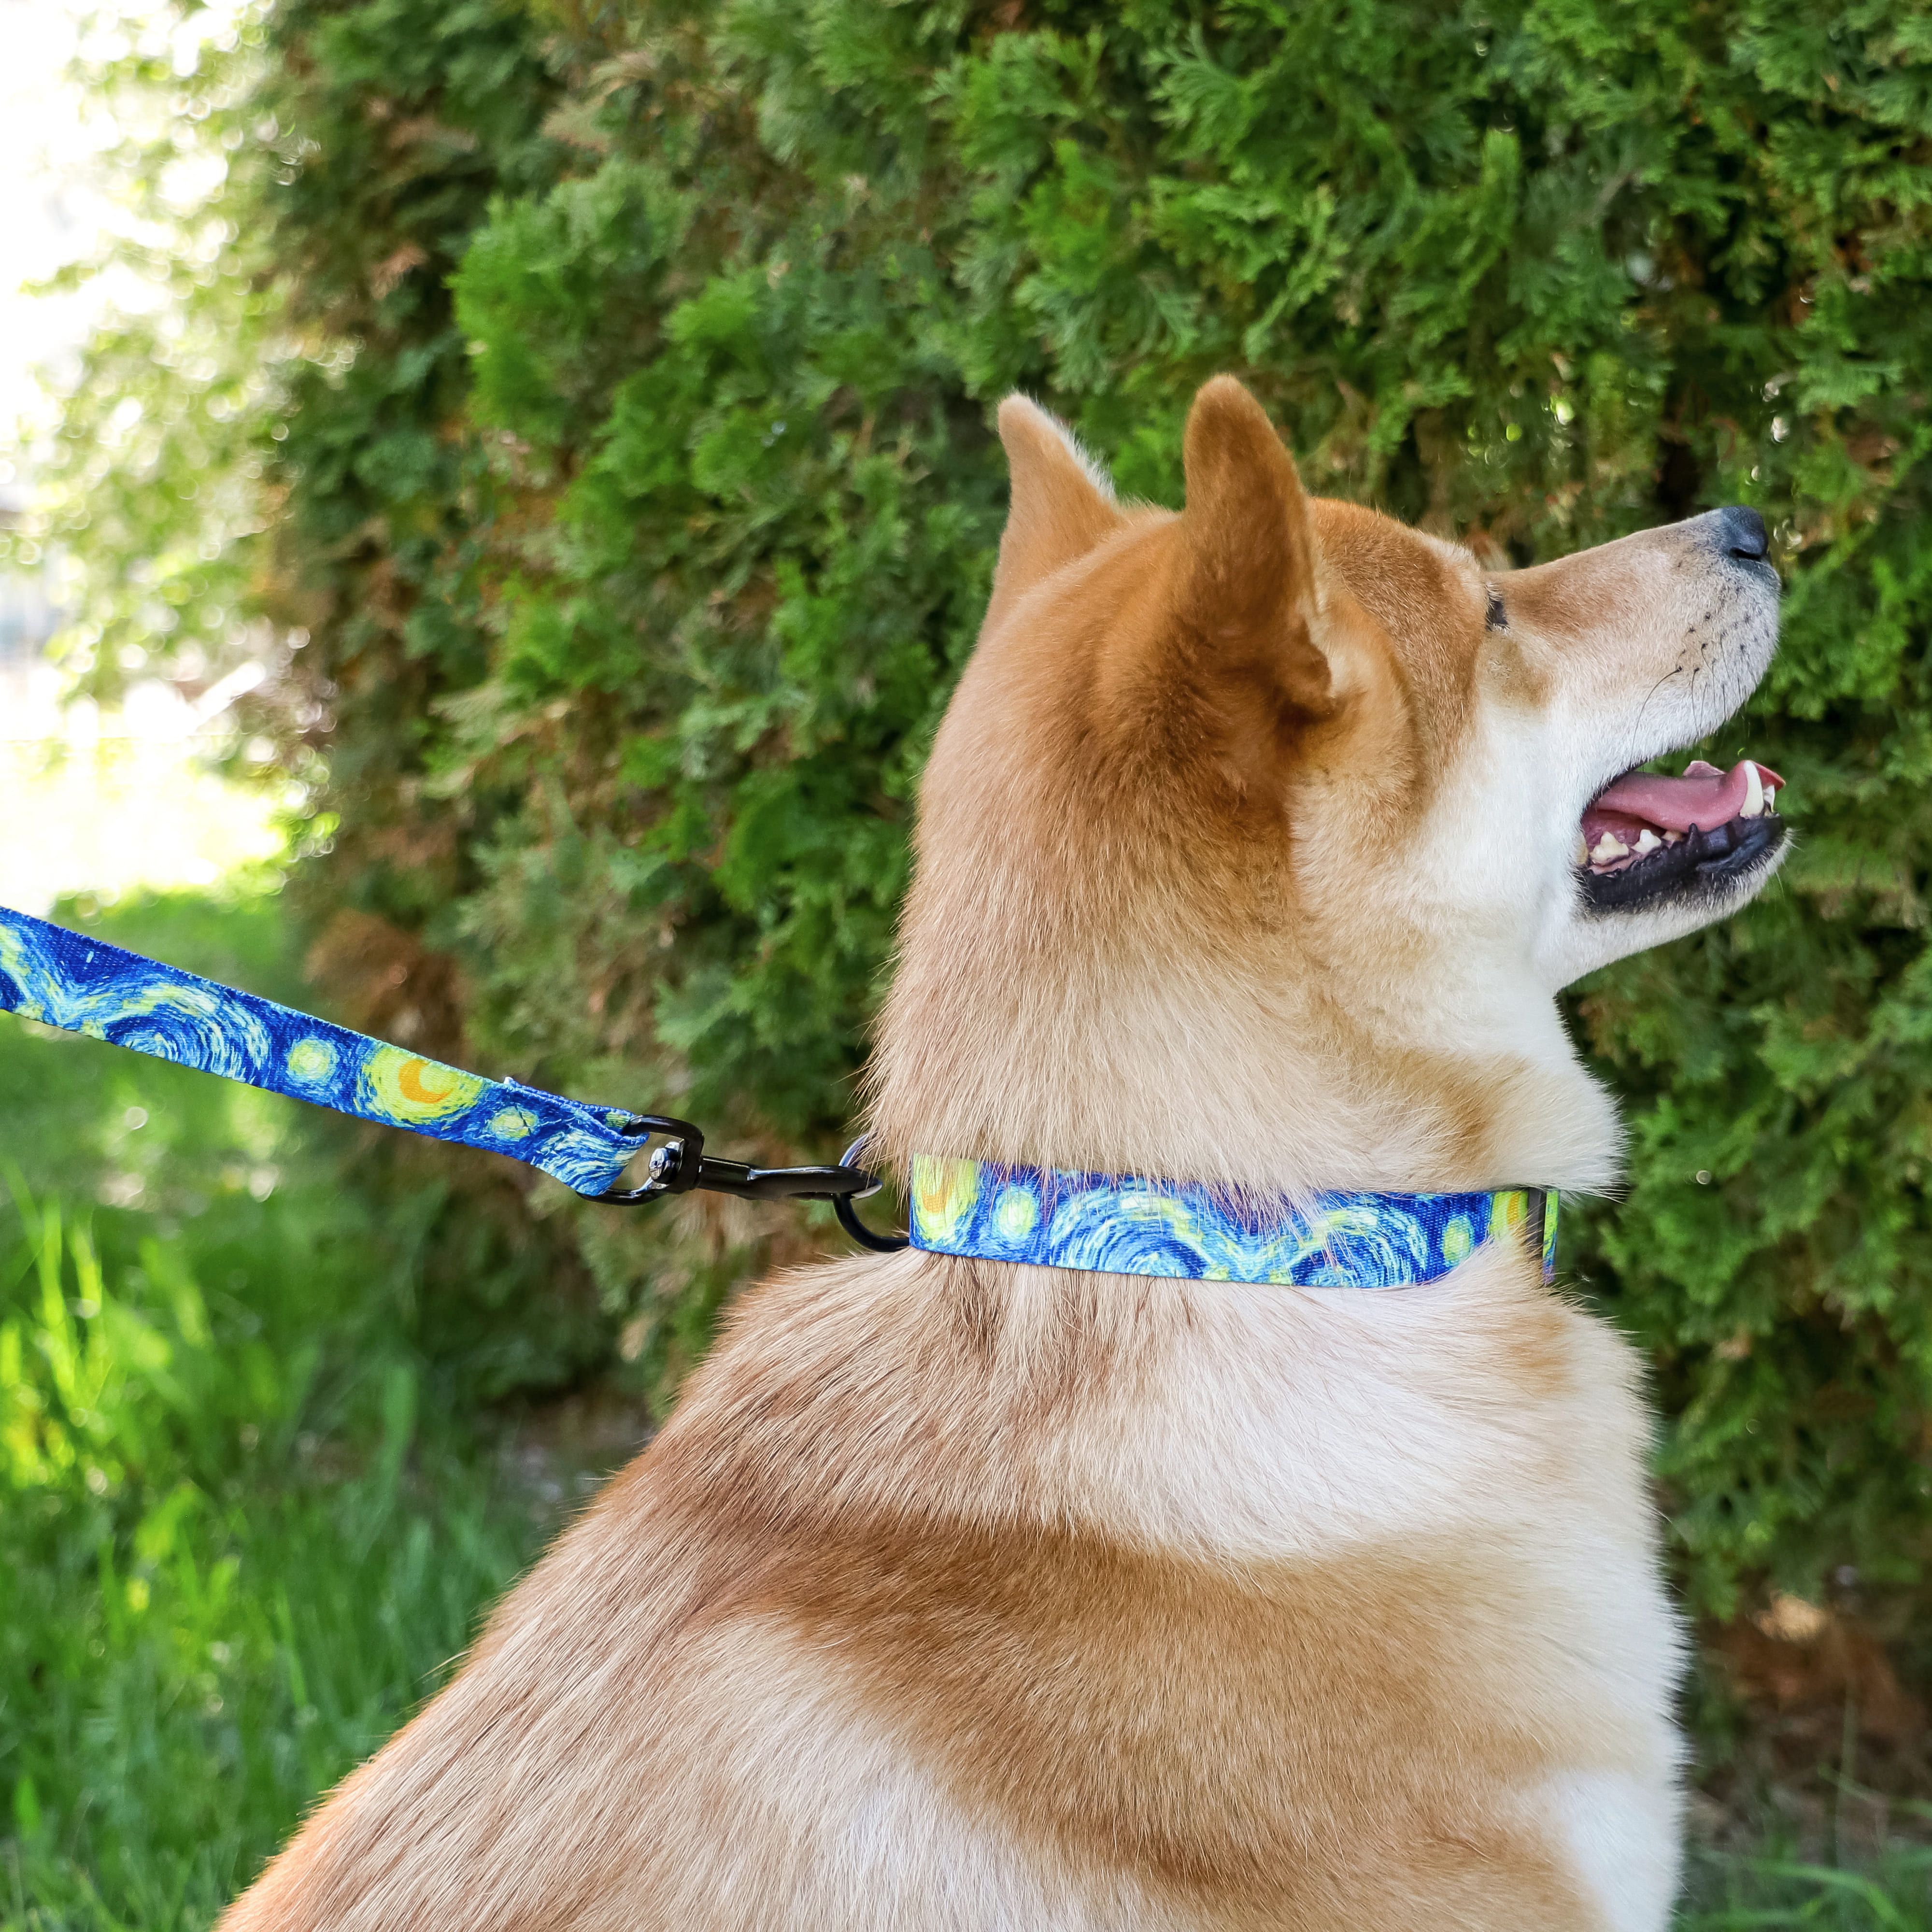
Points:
(66, 979)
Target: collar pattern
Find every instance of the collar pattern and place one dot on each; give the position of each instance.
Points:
(1116, 1224)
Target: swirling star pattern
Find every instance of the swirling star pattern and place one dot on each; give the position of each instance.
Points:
(64, 978)
(1186, 1230)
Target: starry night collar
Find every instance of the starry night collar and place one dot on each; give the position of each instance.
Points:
(1187, 1231)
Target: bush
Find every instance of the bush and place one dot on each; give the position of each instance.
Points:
(636, 581)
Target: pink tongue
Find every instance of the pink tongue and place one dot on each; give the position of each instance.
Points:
(1704, 796)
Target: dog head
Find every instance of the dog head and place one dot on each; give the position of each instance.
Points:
(1258, 839)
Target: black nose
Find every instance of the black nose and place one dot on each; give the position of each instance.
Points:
(1742, 534)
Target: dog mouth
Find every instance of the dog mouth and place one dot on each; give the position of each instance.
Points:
(1645, 838)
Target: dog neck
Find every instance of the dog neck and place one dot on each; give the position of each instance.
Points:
(1282, 1069)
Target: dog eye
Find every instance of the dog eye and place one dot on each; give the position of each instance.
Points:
(1496, 618)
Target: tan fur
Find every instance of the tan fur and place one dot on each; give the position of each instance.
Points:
(961, 1594)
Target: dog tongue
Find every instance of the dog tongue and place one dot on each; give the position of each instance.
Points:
(1704, 796)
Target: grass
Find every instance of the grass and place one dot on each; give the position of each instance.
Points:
(237, 1543)
(1735, 1893)
(251, 1502)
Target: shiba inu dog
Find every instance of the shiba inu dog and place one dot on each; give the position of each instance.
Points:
(1255, 848)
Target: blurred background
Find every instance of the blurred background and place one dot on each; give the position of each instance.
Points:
(493, 494)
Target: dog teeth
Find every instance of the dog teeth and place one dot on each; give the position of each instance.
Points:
(1582, 849)
(1770, 799)
(1608, 847)
(1647, 842)
(1754, 805)
(1673, 839)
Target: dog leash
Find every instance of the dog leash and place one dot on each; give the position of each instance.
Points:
(65, 979)
(1111, 1224)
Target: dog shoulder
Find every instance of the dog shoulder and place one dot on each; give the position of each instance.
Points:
(1038, 1571)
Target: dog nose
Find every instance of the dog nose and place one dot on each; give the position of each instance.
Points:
(1741, 532)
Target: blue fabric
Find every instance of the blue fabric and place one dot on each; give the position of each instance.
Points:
(1184, 1230)
(63, 979)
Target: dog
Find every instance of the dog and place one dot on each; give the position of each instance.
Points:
(1256, 845)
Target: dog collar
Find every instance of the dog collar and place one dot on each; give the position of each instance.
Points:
(1115, 1224)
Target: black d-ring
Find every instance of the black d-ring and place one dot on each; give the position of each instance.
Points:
(848, 1219)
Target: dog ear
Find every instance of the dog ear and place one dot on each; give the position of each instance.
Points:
(1250, 592)
(1060, 508)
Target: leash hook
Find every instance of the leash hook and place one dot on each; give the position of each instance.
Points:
(680, 1165)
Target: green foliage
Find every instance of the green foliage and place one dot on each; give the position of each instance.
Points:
(1774, 1892)
(240, 1533)
(640, 501)
(148, 487)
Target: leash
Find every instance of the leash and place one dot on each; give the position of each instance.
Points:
(1108, 1223)
(66, 979)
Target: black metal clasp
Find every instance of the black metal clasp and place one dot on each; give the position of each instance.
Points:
(678, 1165)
